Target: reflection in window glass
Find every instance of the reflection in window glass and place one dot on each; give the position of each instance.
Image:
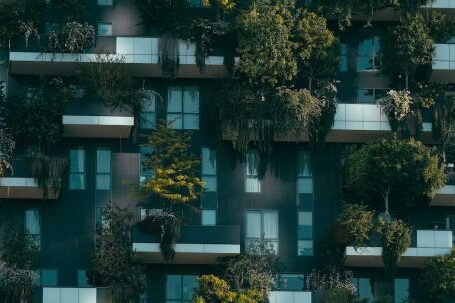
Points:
(103, 169)
(148, 111)
(146, 173)
(401, 290)
(252, 182)
(104, 28)
(367, 55)
(82, 280)
(48, 277)
(183, 107)
(290, 282)
(33, 224)
(262, 223)
(305, 204)
(180, 288)
(77, 169)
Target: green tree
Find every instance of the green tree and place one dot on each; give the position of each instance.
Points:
(406, 47)
(17, 266)
(114, 257)
(354, 225)
(265, 47)
(318, 50)
(444, 122)
(176, 178)
(437, 278)
(405, 169)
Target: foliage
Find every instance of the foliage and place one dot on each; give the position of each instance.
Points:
(166, 224)
(336, 295)
(396, 238)
(108, 80)
(317, 47)
(212, 289)
(397, 106)
(405, 47)
(427, 94)
(78, 37)
(18, 278)
(165, 15)
(224, 4)
(406, 169)
(176, 178)
(442, 26)
(444, 122)
(48, 172)
(13, 14)
(113, 258)
(36, 118)
(205, 32)
(168, 54)
(437, 278)
(70, 10)
(254, 269)
(330, 279)
(354, 225)
(7, 146)
(265, 47)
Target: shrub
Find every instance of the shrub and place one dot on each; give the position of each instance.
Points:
(437, 278)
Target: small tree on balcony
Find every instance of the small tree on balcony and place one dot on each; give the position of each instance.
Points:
(113, 260)
(404, 170)
(437, 279)
(17, 265)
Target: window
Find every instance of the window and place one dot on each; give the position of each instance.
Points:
(343, 57)
(208, 217)
(77, 169)
(183, 107)
(104, 2)
(364, 288)
(180, 288)
(290, 282)
(82, 280)
(103, 169)
(145, 172)
(252, 182)
(305, 205)
(262, 223)
(370, 95)
(148, 113)
(33, 224)
(99, 215)
(48, 277)
(104, 28)
(367, 55)
(146, 212)
(401, 290)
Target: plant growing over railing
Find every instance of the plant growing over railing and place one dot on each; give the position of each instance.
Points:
(396, 238)
(333, 284)
(168, 54)
(354, 225)
(48, 172)
(78, 37)
(398, 108)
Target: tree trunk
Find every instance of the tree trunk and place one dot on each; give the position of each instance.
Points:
(385, 196)
(310, 84)
(406, 78)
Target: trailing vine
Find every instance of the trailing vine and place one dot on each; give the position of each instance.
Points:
(48, 172)
(168, 54)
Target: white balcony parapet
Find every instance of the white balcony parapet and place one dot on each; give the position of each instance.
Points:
(290, 297)
(70, 295)
(186, 253)
(441, 4)
(445, 196)
(430, 243)
(97, 126)
(22, 188)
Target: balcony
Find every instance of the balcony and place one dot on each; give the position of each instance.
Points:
(74, 295)
(290, 297)
(444, 63)
(141, 55)
(94, 120)
(359, 123)
(445, 196)
(20, 185)
(196, 245)
(441, 4)
(428, 243)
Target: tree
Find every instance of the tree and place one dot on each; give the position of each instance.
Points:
(113, 259)
(444, 122)
(354, 225)
(403, 169)
(176, 178)
(6, 151)
(17, 266)
(406, 46)
(265, 47)
(255, 269)
(335, 284)
(437, 278)
(318, 50)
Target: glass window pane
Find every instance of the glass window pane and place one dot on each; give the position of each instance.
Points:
(401, 290)
(270, 227)
(305, 248)
(291, 281)
(191, 121)
(191, 100)
(252, 163)
(189, 286)
(32, 221)
(104, 2)
(304, 161)
(210, 183)
(103, 181)
(208, 161)
(305, 185)
(149, 102)
(305, 218)
(174, 100)
(148, 120)
(77, 160)
(82, 280)
(77, 181)
(103, 161)
(253, 224)
(174, 287)
(208, 217)
(365, 289)
(175, 121)
(48, 277)
(365, 96)
(104, 29)
(252, 185)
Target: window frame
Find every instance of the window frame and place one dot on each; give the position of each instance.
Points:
(79, 173)
(182, 112)
(98, 173)
(252, 177)
(262, 233)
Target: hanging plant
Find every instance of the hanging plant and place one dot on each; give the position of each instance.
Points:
(397, 106)
(78, 37)
(30, 31)
(204, 33)
(396, 238)
(168, 54)
(48, 172)
(166, 225)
